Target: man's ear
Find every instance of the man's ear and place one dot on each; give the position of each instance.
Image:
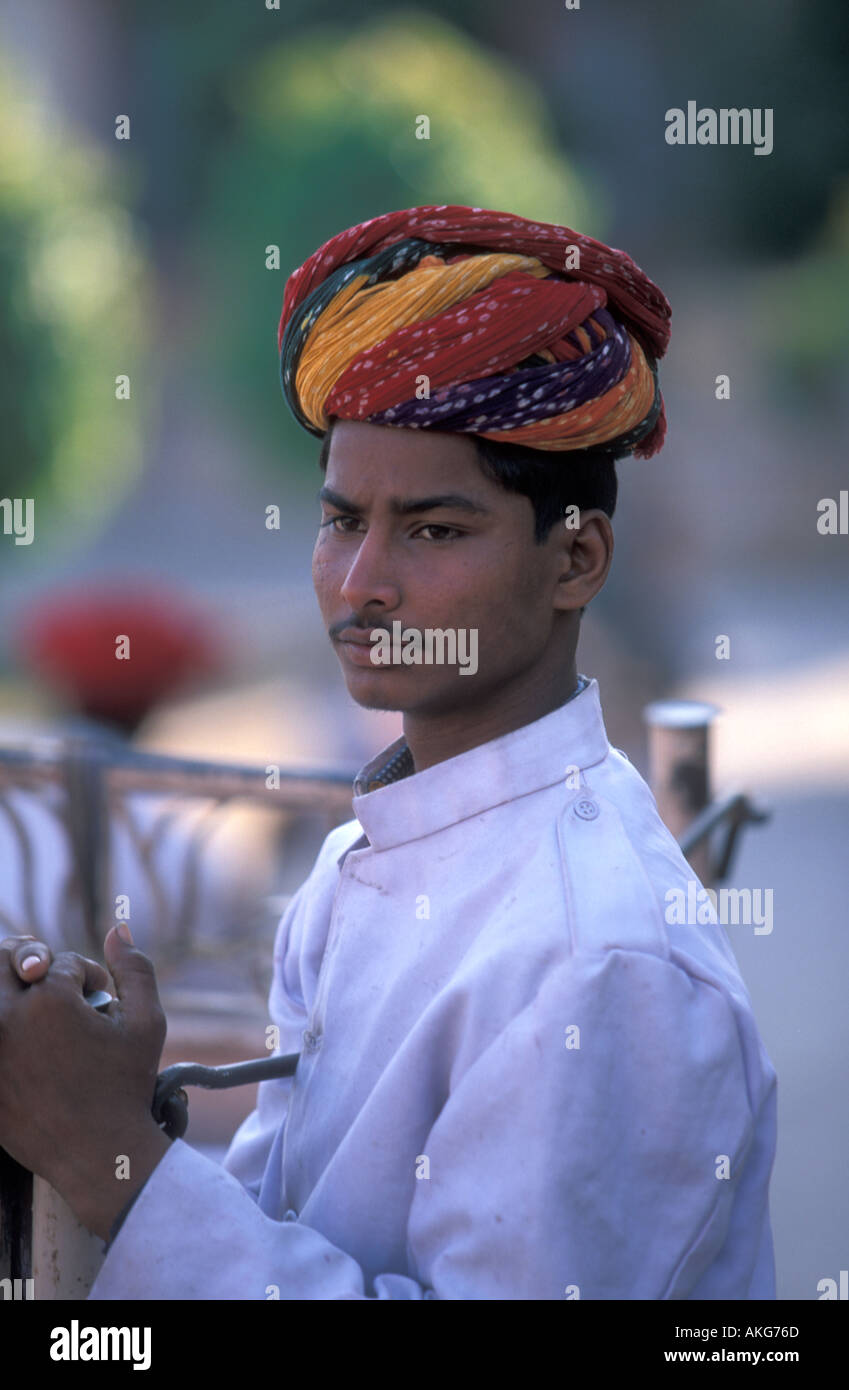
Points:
(586, 557)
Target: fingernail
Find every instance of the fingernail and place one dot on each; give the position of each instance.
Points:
(125, 933)
(30, 960)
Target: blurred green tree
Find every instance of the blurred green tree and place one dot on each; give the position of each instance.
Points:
(802, 314)
(73, 277)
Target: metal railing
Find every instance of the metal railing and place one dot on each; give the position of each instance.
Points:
(97, 780)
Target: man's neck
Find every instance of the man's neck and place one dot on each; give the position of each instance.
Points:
(432, 739)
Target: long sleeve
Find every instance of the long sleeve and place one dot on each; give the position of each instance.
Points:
(604, 1170)
(250, 1149)
(607, 1170)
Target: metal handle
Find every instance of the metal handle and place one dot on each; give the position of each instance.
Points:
(171, 1104)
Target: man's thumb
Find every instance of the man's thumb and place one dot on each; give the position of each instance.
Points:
(132, 972)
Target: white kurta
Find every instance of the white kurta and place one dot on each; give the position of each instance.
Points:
(517, 1081)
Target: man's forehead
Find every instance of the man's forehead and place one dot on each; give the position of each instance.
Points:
(361, 439)
(403, 462)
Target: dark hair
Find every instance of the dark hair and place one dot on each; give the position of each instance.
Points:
(553, 479)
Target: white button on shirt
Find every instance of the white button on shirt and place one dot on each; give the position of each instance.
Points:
(516, 1081)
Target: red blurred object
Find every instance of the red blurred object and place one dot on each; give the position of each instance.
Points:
(71, 640)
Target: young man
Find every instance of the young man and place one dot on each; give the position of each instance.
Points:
(516, 1081)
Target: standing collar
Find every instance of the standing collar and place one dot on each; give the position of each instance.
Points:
(394, 804)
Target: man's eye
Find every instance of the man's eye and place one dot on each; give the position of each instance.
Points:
(432, 526)
(447, 533)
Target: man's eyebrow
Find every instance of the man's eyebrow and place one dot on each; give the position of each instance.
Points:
(405, 506)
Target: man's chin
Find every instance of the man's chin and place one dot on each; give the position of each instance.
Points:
(397, 689)
(378, 692)
(404, 693)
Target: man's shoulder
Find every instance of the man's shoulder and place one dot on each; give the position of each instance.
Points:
(624, 873)
(335, 844)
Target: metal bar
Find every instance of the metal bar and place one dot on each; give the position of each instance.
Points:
(295, 791)
(21, 834)
(88, 831)
(731, 813)
(131, 771)
(170, 1102)
(679, 770)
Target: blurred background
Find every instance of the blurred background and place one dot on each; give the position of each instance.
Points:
(256, 130)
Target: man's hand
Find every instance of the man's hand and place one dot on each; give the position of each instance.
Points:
(30, 960)
(76, 1084)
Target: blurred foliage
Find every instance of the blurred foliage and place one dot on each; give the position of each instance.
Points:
(72, 294)
(803, 318)
(324, 136)
(790, 55)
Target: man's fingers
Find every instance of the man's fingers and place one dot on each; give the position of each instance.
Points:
(27, 957)
(31, 960)
(78, 970)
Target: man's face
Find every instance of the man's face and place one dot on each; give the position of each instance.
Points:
(413, 532)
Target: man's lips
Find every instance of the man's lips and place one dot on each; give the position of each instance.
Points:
(361, 637)
(357, 649)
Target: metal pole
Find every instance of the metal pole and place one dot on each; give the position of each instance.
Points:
(679, 769)
(88, 831)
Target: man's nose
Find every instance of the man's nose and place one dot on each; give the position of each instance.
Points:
(371, 578)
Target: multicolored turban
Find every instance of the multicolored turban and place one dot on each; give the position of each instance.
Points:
(466, 320)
